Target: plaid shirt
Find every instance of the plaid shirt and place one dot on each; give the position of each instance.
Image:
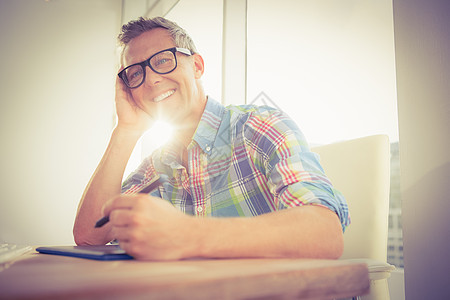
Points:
(243, 161)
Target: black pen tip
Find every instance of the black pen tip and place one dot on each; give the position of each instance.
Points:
(102, 222)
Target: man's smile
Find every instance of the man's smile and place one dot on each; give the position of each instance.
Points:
(163, 96)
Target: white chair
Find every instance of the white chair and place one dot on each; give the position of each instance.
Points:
(360, 169)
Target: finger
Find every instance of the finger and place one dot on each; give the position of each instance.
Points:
(131, 248)
(118, 80)
(121, 217)
(121, 233)
(121, 87)
(125, 245)
(118, 202)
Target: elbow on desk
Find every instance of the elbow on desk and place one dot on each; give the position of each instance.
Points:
(83, 236)
(80, 241)
(325, 248)
(326, 241)
(79, 238)
(321, 235)
(83, 240)
(316, 245)
(321, 248)
(79, 234)
(329, 249)
(332, 244)
(336, 247)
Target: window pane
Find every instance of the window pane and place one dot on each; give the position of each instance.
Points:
(329, 64)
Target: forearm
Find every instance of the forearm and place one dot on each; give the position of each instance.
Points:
(104, 184)
(301, 232)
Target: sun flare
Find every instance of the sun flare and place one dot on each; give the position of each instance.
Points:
(159, 134)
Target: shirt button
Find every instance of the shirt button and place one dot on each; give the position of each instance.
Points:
(208, 148)
(199, 209)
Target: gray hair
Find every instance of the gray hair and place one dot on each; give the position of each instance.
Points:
(136, 27)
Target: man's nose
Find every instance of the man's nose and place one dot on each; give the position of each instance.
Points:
(151, 77)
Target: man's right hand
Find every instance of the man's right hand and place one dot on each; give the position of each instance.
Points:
(106, 181)
(130, 116)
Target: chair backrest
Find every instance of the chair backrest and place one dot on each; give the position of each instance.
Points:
(360, 169)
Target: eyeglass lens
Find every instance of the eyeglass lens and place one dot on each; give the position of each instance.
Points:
(162, 63)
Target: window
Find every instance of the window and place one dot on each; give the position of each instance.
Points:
(331, 66)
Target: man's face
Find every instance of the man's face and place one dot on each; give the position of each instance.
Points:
(177, 96)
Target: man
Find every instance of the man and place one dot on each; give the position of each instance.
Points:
(242, 182)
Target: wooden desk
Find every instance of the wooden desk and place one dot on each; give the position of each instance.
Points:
(41, 276)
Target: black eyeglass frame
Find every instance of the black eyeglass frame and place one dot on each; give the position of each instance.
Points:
(146, 63)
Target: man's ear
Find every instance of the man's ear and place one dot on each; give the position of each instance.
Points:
(199, 65)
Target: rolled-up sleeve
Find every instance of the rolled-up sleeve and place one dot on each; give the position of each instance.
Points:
(140, 178)
(297, 178)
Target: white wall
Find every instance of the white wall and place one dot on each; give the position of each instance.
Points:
(202, 19)
(58, 65)
(329, 64)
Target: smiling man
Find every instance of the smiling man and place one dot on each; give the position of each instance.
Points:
(242, 180)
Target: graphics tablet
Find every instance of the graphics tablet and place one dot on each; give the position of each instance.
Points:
(101, 252)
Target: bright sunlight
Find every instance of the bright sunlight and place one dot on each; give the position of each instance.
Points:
(159, 134)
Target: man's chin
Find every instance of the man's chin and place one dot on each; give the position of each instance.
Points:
(168, 115)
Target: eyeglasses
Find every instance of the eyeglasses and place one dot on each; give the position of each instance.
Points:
(162, 62)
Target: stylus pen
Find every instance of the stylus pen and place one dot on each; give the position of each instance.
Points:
(148, 189)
